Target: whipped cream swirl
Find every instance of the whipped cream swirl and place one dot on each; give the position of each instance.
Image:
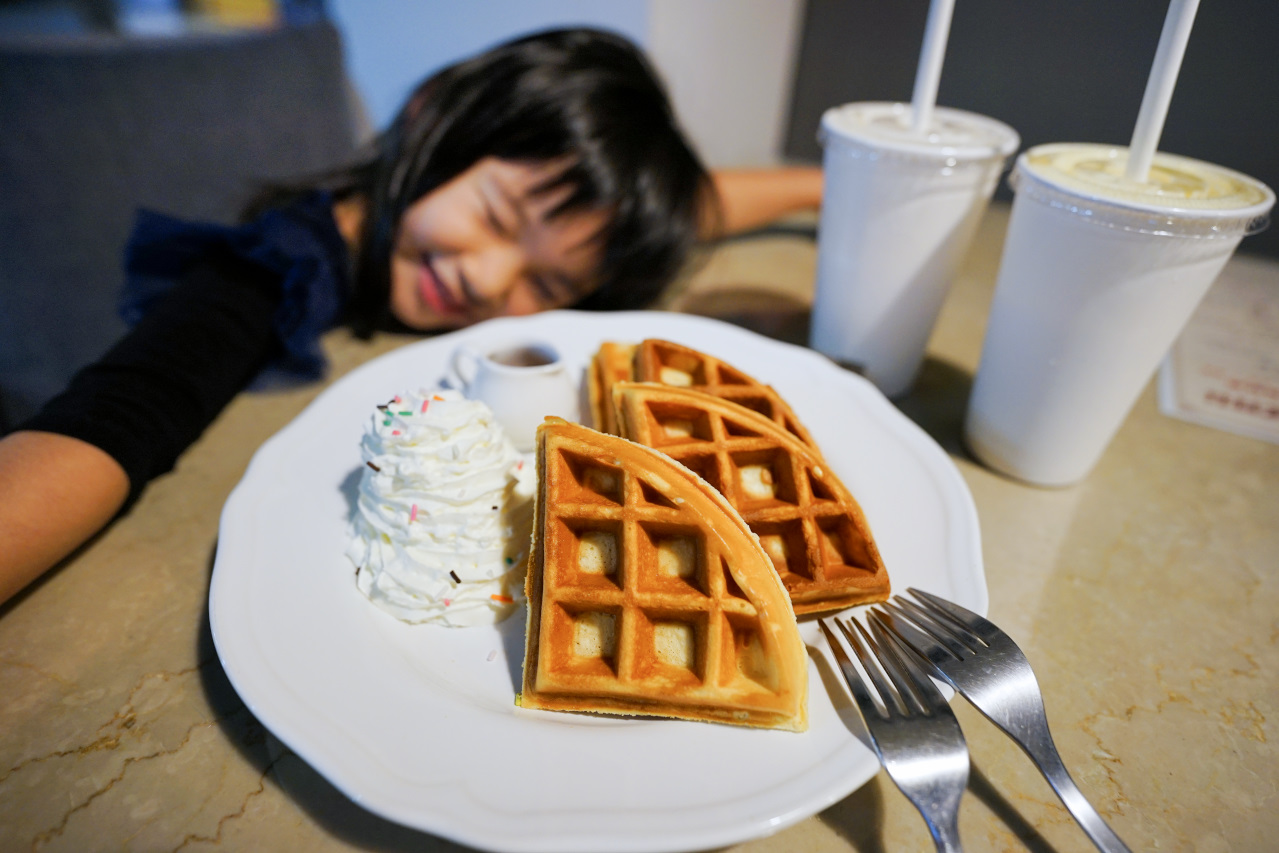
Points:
(441, 531)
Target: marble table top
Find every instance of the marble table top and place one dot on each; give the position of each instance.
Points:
(1146, 597)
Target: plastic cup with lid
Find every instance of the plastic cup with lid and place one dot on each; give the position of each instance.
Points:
(1098, 276)
(899, 210)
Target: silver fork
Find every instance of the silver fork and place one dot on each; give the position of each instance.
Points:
(983, 663)
(913, 730)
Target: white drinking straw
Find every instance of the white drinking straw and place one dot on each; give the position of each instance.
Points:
(928, 74)
(1163, 78)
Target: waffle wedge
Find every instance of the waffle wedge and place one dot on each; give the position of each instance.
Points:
(669, 363)
(647, 594)
(611, 364)
(808, 522)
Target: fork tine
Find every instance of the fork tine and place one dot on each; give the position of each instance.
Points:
(919, 640)
(854, 678)
(893, 701)
(974, 624)
(903, 690)
(911, 678)
(940, 623)
(957, 640)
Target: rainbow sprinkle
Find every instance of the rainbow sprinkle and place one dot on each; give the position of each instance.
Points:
(425, 403)
(505, 599)
(413, 514)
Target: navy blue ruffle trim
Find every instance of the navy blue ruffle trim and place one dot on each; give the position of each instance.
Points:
(300, 243)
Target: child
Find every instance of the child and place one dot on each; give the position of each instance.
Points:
(546, 173)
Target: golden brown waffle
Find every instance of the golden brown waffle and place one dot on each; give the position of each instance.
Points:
(647, 594)
(677, 365)
(611, 364)
(807, 521)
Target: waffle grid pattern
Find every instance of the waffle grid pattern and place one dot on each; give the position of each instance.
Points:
(638, 600)
(612, 364)
(663, 361)
(809, 525)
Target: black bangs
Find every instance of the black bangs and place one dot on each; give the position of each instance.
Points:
(584, 97)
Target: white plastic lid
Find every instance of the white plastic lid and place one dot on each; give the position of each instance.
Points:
(885, 127)
(1182, 196)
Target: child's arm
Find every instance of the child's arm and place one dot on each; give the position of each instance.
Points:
(126, 418)
(750, 198)
(55, 492)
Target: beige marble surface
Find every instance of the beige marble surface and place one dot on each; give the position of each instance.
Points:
(1146, 597)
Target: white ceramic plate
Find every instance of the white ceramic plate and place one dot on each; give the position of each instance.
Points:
(418, 724)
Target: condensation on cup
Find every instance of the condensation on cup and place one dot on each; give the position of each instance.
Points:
(899, 210)
(1099, 274)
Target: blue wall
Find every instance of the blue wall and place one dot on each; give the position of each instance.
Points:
(392, 44)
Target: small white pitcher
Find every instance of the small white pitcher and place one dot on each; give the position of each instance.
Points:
(522, 383)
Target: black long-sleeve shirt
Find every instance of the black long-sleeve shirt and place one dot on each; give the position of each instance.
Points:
(153, 394)
(213, 306)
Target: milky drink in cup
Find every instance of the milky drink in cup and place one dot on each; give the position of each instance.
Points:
(1099, 274)
(899, 209)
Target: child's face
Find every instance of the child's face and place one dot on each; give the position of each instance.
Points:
(482, 246)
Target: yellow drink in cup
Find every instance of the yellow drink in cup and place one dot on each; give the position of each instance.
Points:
(1099, 275)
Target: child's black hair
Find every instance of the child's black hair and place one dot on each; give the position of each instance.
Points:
(585, 97)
